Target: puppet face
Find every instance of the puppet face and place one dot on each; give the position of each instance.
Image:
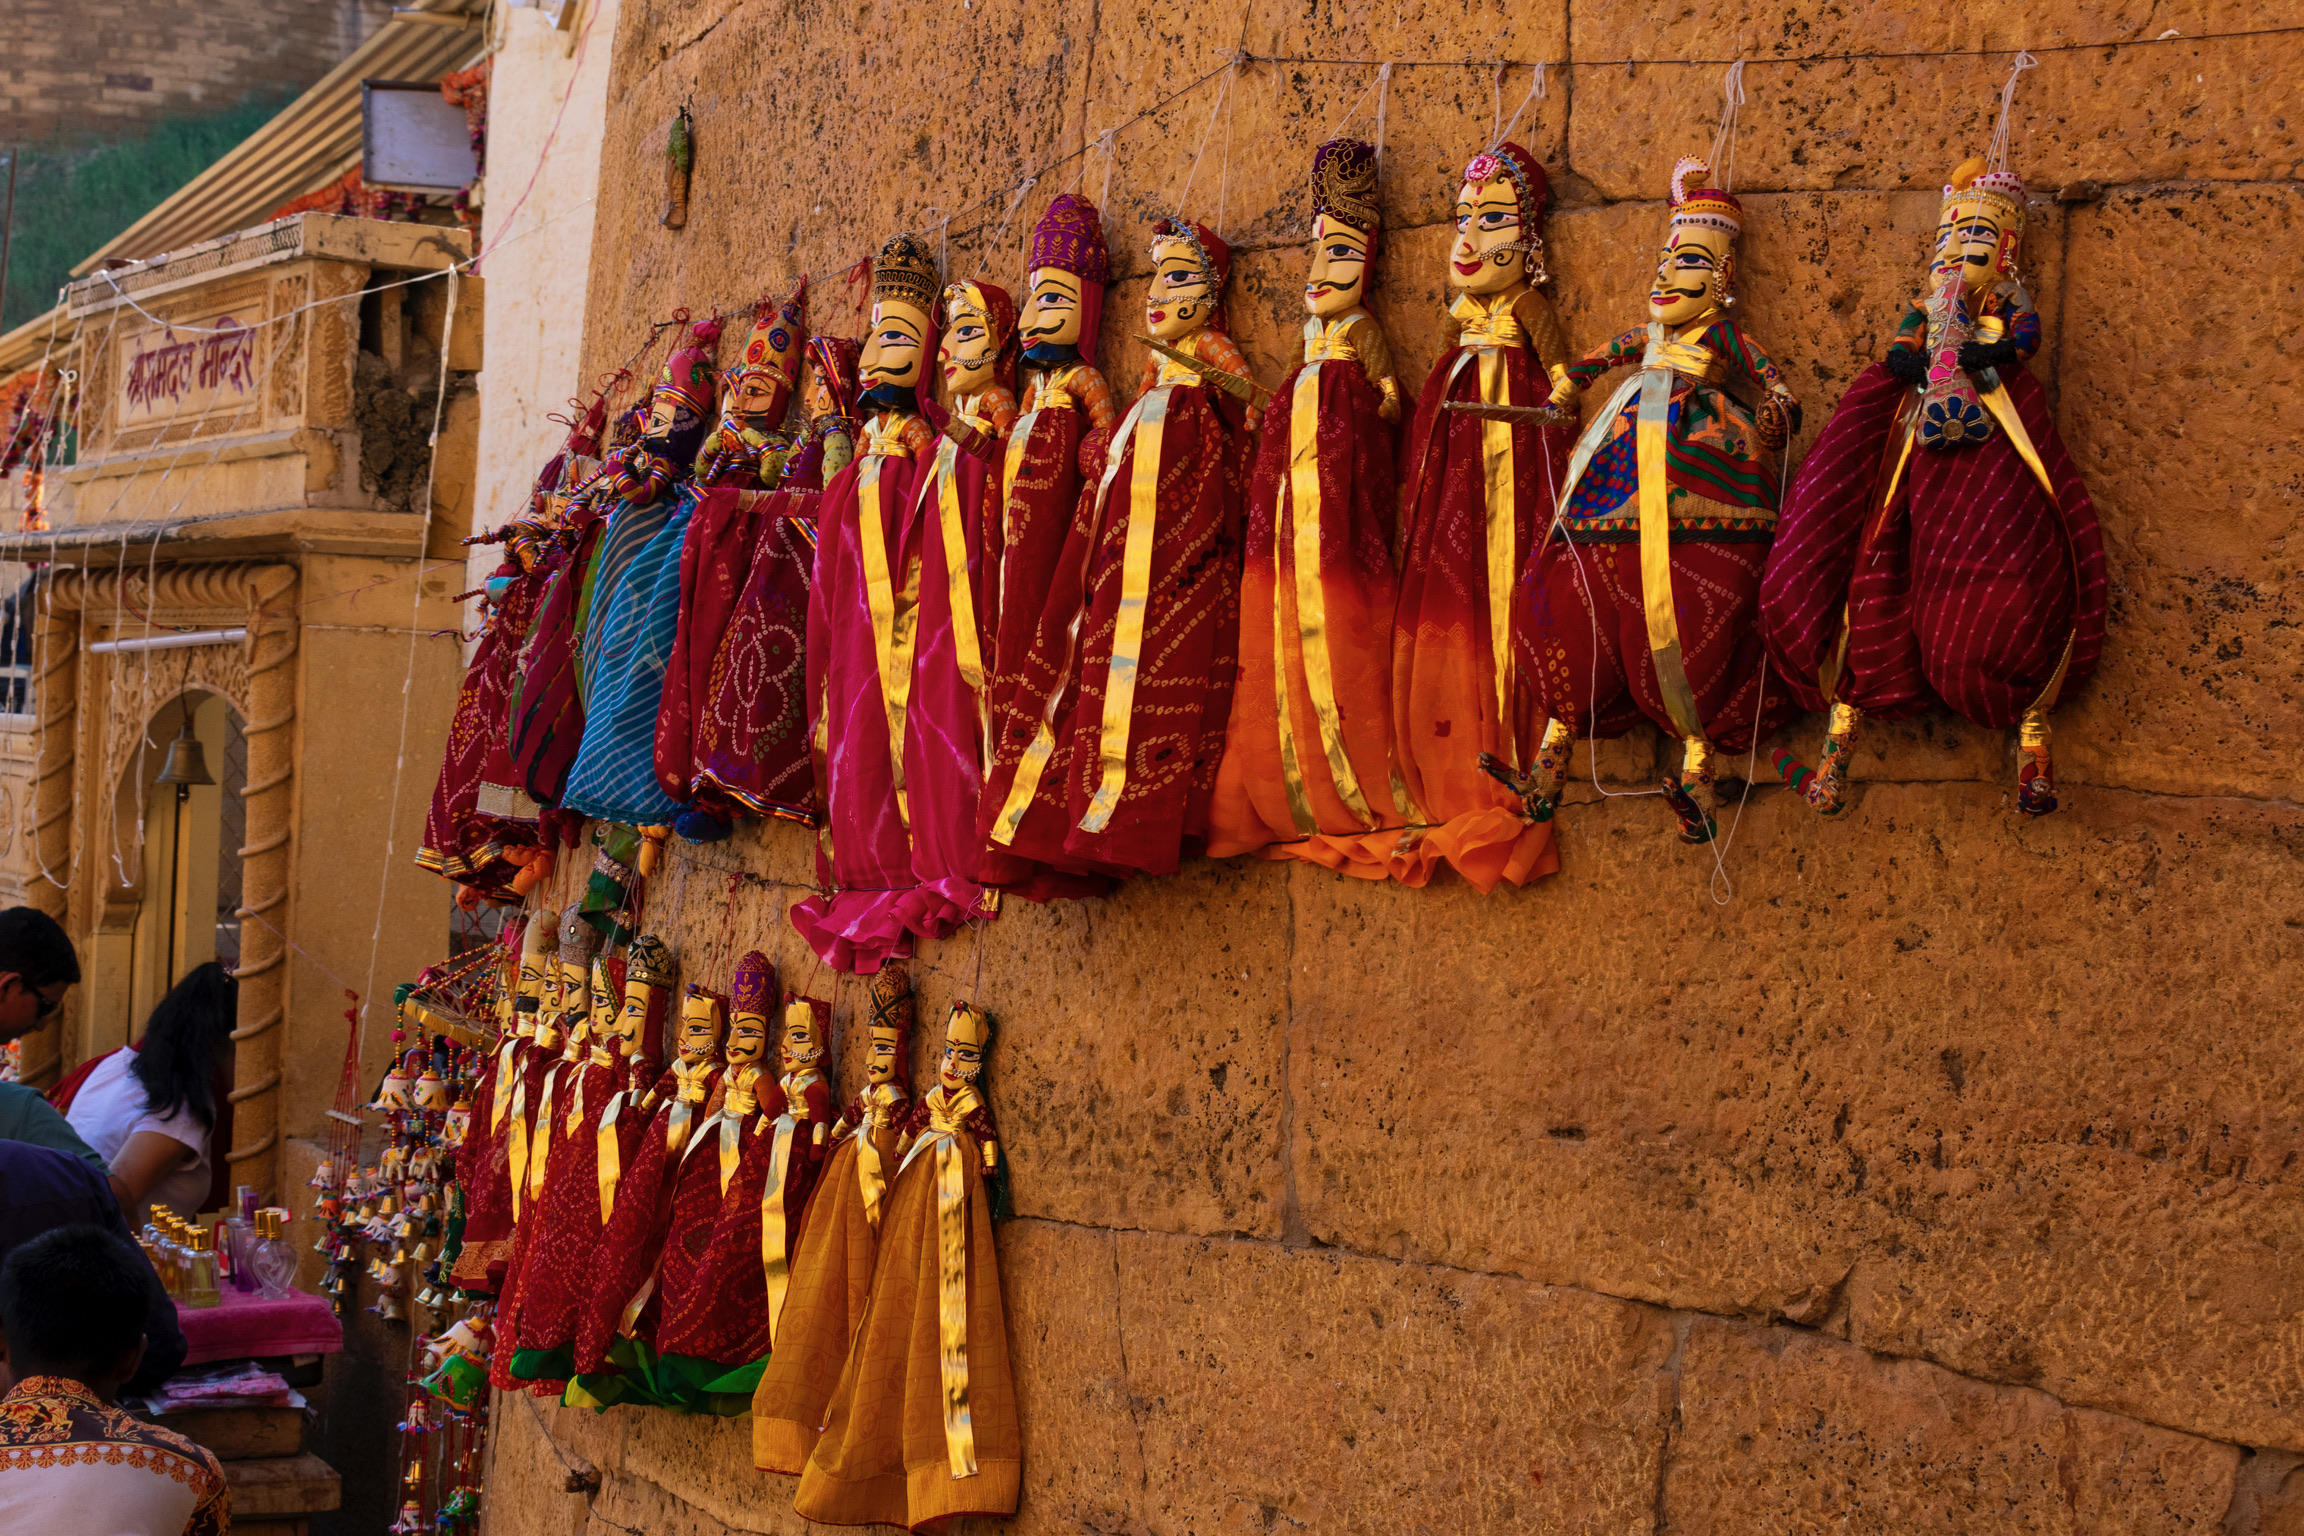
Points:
(880, 1056)
(667, 414)
(759, 395)
(962, 1064)
(699, 1029)
(605, 1003)
(1690, 271)
(801, 1048)
(747, 1039)
(968, 351)
(1338, 283)
(631, 1024)
(1183, 300)
(1051, 315)
(1971, 245)
(1487, 221)
(816, 396)
(892, 352)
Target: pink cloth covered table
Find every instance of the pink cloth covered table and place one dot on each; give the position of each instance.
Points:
(244, 1323)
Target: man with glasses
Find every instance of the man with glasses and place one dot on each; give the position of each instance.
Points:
(37, 967)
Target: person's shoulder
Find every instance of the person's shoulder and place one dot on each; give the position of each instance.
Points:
(42, 1159)
(205, 1470)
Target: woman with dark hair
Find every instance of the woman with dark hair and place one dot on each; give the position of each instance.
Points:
(150, 1111)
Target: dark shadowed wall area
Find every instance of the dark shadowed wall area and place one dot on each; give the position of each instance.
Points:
(1944, 1175)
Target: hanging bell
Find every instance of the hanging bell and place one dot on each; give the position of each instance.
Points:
(420, 1255)
(187, 763)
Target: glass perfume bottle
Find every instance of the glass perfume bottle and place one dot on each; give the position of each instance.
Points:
(239, 1238)
(200, 1270)
(272, 1259)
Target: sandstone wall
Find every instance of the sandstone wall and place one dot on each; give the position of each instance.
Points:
(1944, 1175)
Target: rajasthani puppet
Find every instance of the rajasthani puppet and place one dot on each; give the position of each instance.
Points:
(958, 518)
(750, 754)
(1308, 768)
(1067, 414)
(548, 714)
(483, 1162)
(862, 626)
(745, 453)
(599, 1135)
(1641, 603)
(832, 1267)
(633, 1240)
(546, 1076)
(1142, 615)
(1938, 546)
(922, 1424)
(710, 1353)
(1476, 493)
(829, 388)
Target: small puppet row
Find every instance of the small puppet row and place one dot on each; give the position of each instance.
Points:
(1048, 645)
(711, 1239)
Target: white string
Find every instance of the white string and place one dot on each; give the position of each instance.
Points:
(408, 682)
(1108, 141)
(1346, 119)
(1383, 91)
(1224, 177)
(1221, 97)
(1723, 166)
(1022, 191)
(1721, 880)
(1996, 158)
(1496, 112)
(1535, 89)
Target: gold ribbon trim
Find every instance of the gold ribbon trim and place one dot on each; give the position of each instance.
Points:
(871, 1168)
(1034, 763)
(1499, 475)
(1135, 593)
(540, 1140)
(895, 622)
(944, 1126)
(1311, 596)
(611, 1158)
(960, 591)
(775, 1259)
(499, 1102)
(517, 1157)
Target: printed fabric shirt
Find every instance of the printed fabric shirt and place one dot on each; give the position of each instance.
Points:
(69, 1462)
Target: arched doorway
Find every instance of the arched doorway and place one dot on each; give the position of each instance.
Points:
(180, 846)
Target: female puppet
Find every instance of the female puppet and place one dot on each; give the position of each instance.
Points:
(716, 559)
(600, 1134)
(1067, 416)
(1142, 618)
(711, 1353)
(1641, 602)
(1476, 492)
(1308, 767)
(922, 1424)
(862, 630)
(958, 518)
(828, 392)
(632, 1244)
(1938, 546)
(635, 492)
(750, 754)
(839, 1241)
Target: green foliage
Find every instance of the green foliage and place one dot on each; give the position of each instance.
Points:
(70, 198)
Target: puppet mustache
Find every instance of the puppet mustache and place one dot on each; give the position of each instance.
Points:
(1050, 329)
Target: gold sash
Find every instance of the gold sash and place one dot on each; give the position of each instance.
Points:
(1652, 386)
(944, 479)
(611, 1157)
(540, 1140)
(945, 1115)
(499, 1102)
(895, 615)
(775, 1257)
(881, 1101)
(517, 1157)
(1323, 343)
(1034, 763)
(1484, 334)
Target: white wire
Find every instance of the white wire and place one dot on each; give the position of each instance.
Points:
(1996, 158)
(1535, 90)
(1723, 166)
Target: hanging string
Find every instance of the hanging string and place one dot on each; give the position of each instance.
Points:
(1535, 90)
(1723, 162)
(1996, 158)
(1223, 95)
(1108, 142)
(1496, 112)
(1342, 122)
(1383, 91)
(1224, 177)
(1014, 203)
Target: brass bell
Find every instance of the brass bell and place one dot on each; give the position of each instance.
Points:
(187, 763)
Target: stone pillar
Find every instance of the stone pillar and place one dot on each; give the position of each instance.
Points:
(48, 813)
(264, 868)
